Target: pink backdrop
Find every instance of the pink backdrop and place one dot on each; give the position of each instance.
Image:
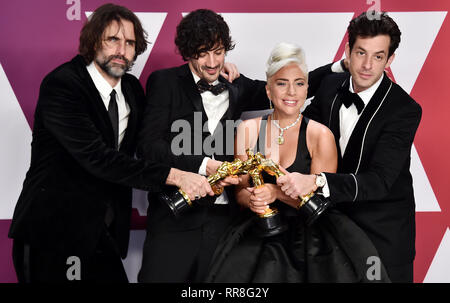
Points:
(38, 35)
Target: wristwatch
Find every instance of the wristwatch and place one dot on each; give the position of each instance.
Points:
(320, 181)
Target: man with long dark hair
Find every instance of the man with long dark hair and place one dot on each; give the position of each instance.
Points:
(72, 218)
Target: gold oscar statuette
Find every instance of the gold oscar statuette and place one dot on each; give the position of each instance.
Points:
(178, 201)
(310, 206)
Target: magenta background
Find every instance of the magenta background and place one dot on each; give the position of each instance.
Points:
(36, 37)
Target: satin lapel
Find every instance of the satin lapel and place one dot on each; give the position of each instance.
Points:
(334, 120)
(190, 89)
(354, 149)
(232, 99)
(95, 100)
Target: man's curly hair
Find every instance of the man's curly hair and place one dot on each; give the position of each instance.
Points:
(202, 30)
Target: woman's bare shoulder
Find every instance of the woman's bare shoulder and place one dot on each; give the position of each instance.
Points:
(318, 129)
(319, 135)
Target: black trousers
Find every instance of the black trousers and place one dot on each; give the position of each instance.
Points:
(33, 264)
(183, 255)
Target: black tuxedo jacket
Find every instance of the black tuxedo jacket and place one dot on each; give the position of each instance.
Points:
(75, 171)
(373, 184)
(174, 117)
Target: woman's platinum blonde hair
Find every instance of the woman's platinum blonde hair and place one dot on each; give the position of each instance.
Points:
(283, 54)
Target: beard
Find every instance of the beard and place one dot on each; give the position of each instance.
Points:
(114, 70)
(207, 76)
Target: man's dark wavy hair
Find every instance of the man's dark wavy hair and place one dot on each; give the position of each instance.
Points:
(371, 24)
(92, 32)
(202, 30)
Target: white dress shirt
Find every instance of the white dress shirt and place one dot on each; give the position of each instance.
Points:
(105, 89)
(215, 107)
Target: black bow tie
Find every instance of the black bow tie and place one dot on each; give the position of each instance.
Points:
(349, 98)
(203, 86)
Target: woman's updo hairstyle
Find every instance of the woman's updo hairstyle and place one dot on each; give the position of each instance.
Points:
(283, 54)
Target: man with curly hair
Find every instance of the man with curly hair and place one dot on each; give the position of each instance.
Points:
(179, 250)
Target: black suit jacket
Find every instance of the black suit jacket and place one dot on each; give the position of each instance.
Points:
(373, 184)
(75, 171)
(173, 100)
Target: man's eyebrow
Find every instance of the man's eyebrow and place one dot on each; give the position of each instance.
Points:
(218, 48)
(378, 52)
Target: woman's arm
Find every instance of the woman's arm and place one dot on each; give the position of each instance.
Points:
(322, 148)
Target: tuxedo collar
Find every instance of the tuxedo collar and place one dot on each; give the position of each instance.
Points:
(97, 101)
(333, 119)
(190, 88)
(368, 93)
(101, 84)
(197, 78)
(232, 96)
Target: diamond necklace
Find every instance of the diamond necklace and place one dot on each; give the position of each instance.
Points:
(280, 139)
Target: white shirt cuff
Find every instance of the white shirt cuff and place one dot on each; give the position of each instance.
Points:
(325, 188)
(202, 169)
(337, 67)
